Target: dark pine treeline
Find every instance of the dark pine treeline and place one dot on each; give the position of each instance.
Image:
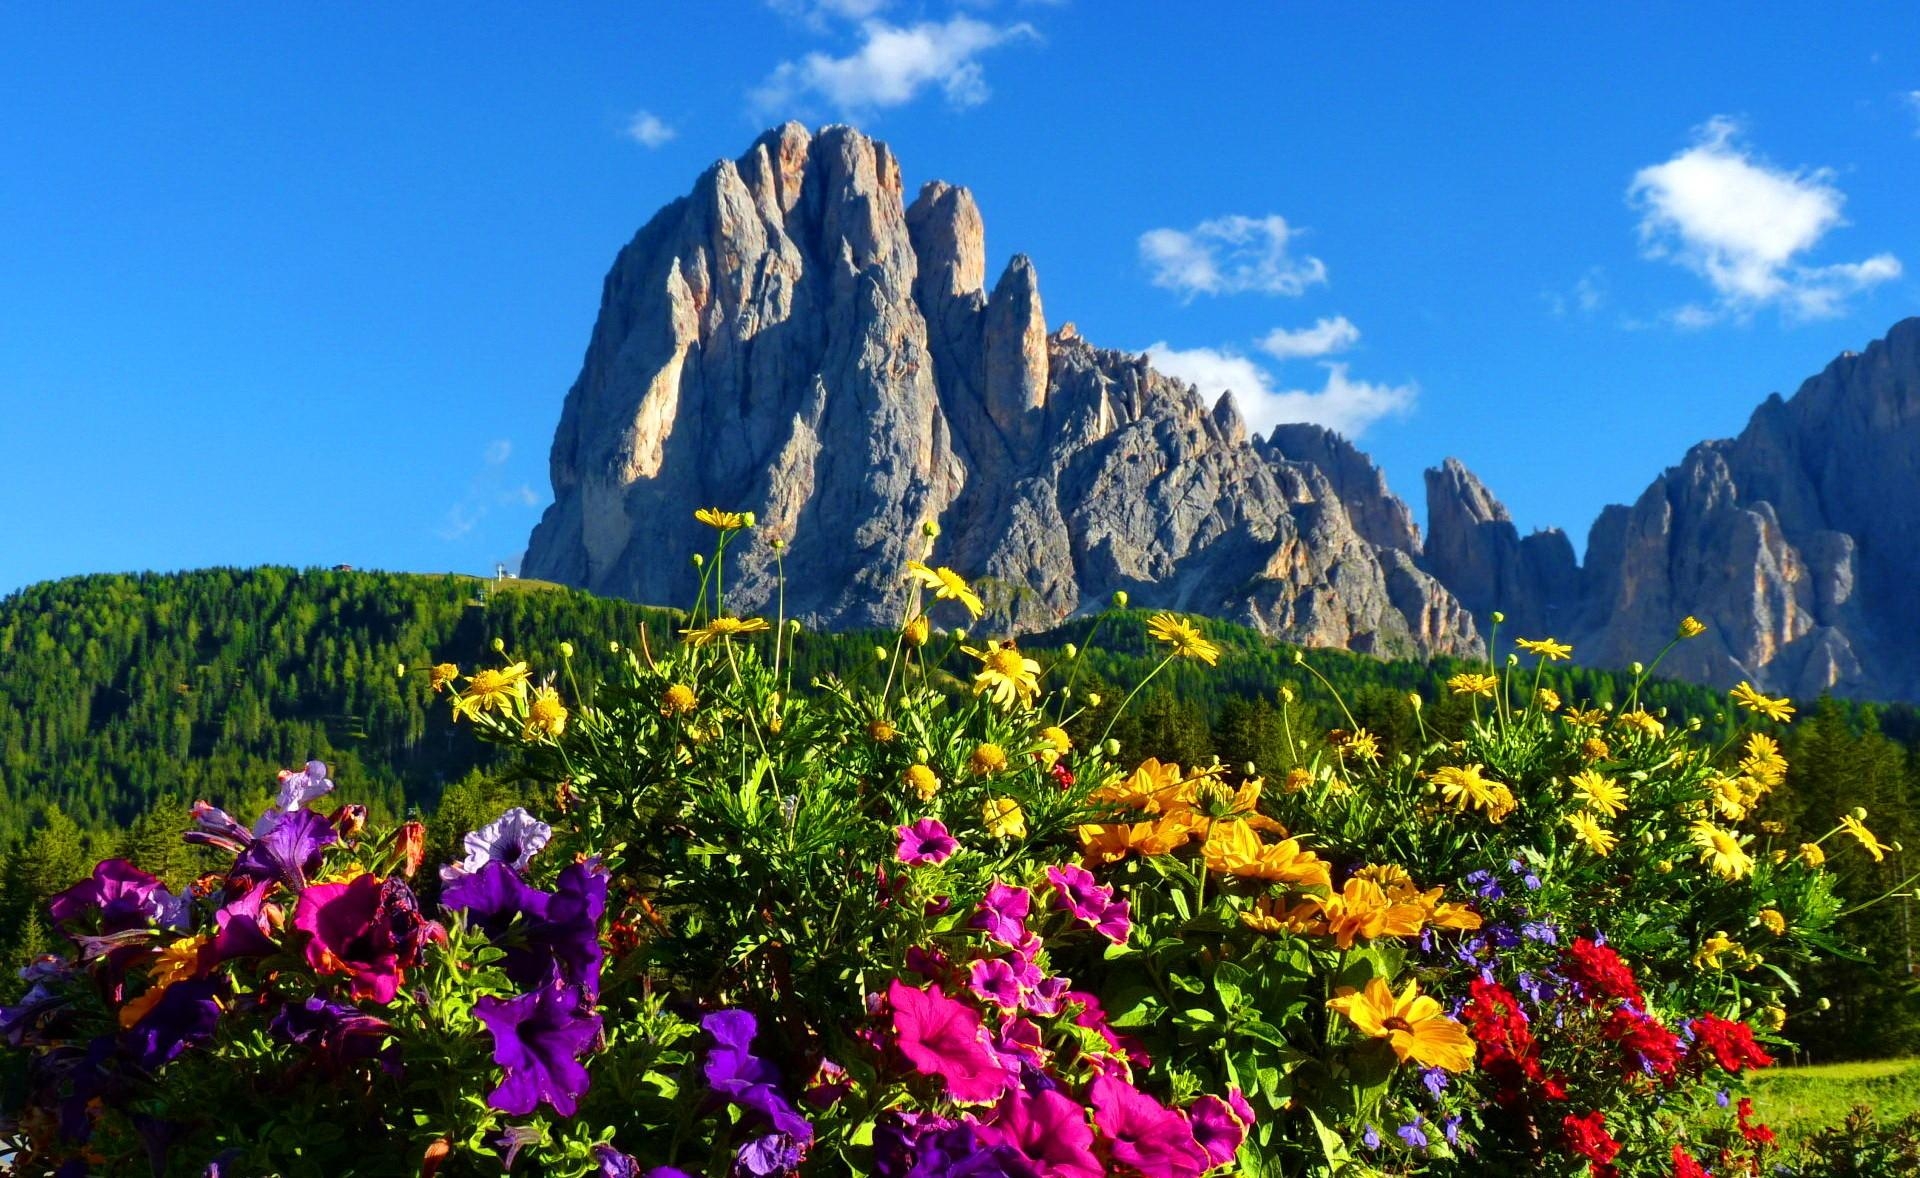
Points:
(124, 698)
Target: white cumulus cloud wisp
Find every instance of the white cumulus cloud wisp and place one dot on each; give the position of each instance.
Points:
(1230, 255)
(1324, 338)
(893, 65)
(1730, 217)
(649, 129)
(1342, 404)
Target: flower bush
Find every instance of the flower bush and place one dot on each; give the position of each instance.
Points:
(937, 928)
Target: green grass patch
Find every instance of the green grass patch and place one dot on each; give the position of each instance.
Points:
(1798, 1102)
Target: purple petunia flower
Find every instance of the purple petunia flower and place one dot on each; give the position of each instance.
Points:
(1076, 891)
(1003, 913)
(1218, 1128)
(214, 827)
(334, 1031)
(560, 929)
(241, 926)
(296, 790)
(186, 1015)
(289, 854)
(1047, 996)
(538, 1038)
(994, 981)
(125, 898)
(914, 1145)
(769, 1156)
(514, 838)
(739, 1076)
(925, 842)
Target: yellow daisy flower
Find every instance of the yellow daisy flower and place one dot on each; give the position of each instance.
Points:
(546, 715)
(1864, 837)
(441, 675)
(924, 782)
(1753, 701)
(987, 759)
(492, 690)
(1006, 675)
(1588, 830)
(1691, 627)
(1546, 648)
(1722, 851)
(947, 585)
(723, 628)
(1412, 1022)
(677, 700)
(1184, 637)
(1472, 683)
(1603, 795)
(725, 521)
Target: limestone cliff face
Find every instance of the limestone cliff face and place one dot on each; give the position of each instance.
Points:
(1797, 542)
(794, 338)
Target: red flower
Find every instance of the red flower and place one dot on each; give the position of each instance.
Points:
(1649, 1047)
(1506, 1047)
(1685, 1167)
(1756, 1134)
(1730, 1043)
(1587, 1136)
(1598, 973)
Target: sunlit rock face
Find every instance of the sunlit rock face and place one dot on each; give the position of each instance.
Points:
(796, 339)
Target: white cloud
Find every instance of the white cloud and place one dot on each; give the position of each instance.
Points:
(1324, 338)
(648, 129)
(487, 489)
(893, 65)
(1727, 215)
(1342, 404)
(1912, 99)
(1586, 295)
(818, 14)
(1230, 255)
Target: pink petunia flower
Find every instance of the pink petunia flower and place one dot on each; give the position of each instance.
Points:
(1003, 914)
(943, 1037)
(1218, 1128)
(1145, 1134)
(925, 842)
(994, 981)
(1049, 1130)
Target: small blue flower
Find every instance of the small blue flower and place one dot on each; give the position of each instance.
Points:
(1435, 1079)
(1413, 1134)
(1371, 1138)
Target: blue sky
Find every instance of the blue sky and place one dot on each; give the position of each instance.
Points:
(298, 284)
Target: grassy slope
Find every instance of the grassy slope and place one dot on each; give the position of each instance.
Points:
(1798, 1102)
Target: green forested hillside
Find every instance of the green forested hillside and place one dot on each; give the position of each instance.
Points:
(123, 698)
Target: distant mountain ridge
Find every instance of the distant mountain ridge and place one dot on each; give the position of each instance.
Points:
(796, 339)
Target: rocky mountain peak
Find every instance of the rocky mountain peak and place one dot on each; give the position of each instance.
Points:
(795, 339)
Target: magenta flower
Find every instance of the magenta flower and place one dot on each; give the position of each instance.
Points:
(1237, 1101)
(1017, 1038)
(346, 935)
(943, 1037)
(538, 1038)
(1143, 1133)
(1049, 1130)
(125, 897)
(1218, 1128)
(994, 981)
(1115, 922)
(1003, 913)
(1076, 891)
(925, 842)
(1046, 996)
(242, 928)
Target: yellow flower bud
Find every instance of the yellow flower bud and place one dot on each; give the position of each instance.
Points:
(499, 645)
(918, 630)
(566, 650)
(930, 529)
(1497, 617)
